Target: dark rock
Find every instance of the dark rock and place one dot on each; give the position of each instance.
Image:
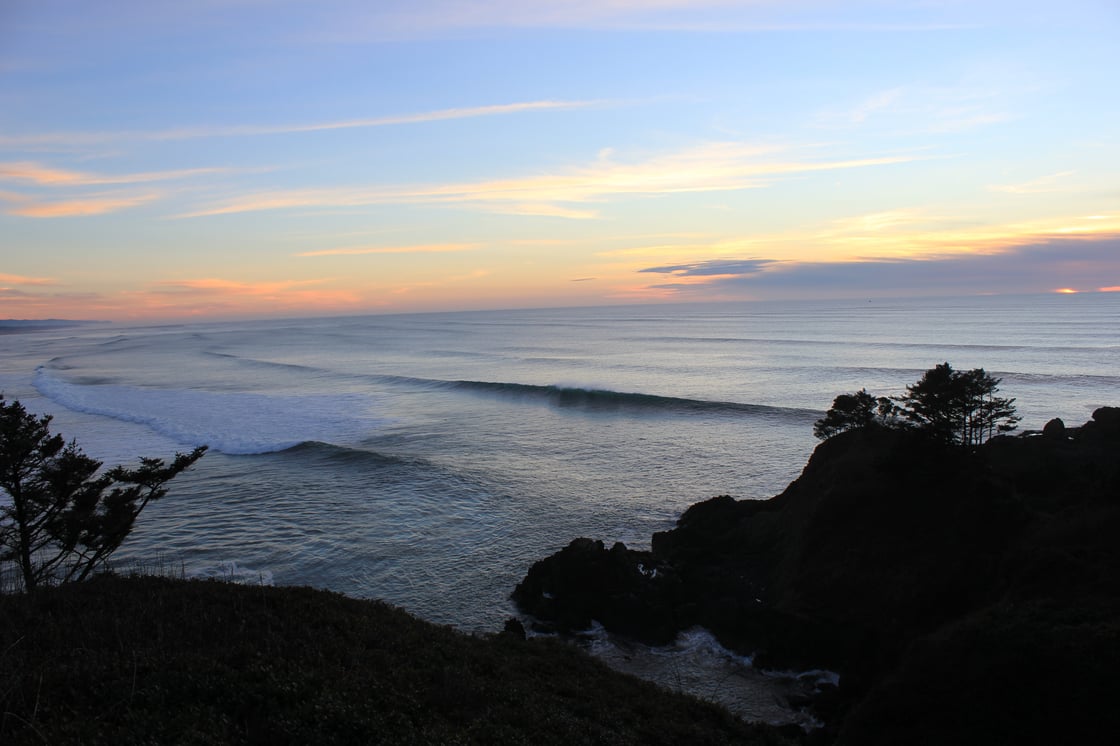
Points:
(514, 628)
(1055, 429)
(585, 582)
(1107, 419)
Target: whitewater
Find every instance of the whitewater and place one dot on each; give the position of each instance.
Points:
(430, 459)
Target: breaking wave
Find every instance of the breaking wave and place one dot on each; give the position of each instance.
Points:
(597, 399)
(232, 423)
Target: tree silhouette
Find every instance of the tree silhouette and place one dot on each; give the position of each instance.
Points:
(852, 411)
(954, 406)
(62, 519)
(958, 406)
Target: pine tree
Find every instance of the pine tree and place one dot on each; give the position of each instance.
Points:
(62, 519)
(958, 406)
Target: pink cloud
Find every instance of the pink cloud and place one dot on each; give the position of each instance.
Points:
(21, 280)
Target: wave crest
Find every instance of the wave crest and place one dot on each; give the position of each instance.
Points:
(232, 423)
(606, 400)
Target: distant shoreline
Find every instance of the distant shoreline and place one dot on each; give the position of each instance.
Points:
(22, 326)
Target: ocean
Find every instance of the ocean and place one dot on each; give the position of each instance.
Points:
(430, 459)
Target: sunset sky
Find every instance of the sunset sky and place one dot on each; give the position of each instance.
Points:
(243, 158)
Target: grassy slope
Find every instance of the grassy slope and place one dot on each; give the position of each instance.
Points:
(129, 660)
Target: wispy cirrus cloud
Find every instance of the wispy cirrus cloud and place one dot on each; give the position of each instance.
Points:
(546, 211)
(417, 249)
(439, 115)
(1050, 183)
(49, 176)
(78, 207)
(877, 102)
(720, 166)
(347, 21)
(71, 139)
(61, 192)
(426, 18)
(929, 109)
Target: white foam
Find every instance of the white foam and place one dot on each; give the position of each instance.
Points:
(698, 664)
(233, 572)
(817, 677)
(583, 386)
(233, 423)
(699, 641)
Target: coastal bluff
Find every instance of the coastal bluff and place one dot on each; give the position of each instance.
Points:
(964, 595)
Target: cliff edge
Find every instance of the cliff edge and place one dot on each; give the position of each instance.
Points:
(964, 595)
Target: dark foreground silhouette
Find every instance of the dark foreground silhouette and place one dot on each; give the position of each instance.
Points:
(158, 661)
(964, 594)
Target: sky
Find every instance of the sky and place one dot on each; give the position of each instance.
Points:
(221, 159)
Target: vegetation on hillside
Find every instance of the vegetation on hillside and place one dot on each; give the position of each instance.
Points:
(154, 660)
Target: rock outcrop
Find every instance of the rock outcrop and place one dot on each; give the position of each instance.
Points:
(921, 572)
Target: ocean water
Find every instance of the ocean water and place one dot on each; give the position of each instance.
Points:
(429, 459)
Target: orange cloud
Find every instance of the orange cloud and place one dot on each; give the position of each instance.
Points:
(76, 207)
(220, 286)
(33, 172)
(197, 298)
(77, 204)
(218, 297)
(41, 175)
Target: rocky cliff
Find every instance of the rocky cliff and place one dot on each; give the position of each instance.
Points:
(964, 595)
